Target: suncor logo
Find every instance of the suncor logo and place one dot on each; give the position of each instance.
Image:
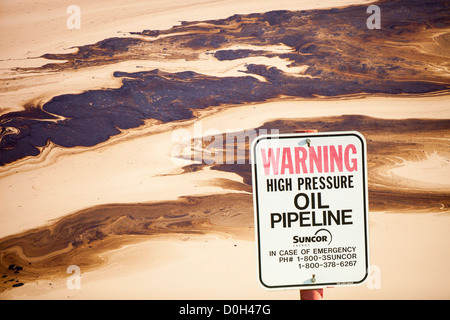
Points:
(321, 235)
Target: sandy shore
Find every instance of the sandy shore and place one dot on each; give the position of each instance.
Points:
(420, 237)
(184, 267)
(22, 26)
(429, 173)
(143, 166)
(409, 249)
(406, 261)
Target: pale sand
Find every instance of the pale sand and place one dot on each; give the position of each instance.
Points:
(185, 267)
(408, 255)
(411, 258)
(433, 172)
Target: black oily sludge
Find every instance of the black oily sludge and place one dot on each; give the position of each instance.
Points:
(342, 56)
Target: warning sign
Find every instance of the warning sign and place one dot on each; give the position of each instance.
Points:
(311, 209)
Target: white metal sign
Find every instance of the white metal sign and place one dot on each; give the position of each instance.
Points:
(311, 209)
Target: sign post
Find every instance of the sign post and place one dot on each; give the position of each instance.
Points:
(311, 210)
(310, 294)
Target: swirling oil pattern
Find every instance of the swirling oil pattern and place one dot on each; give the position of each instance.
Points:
(335, 54)
(81, 236)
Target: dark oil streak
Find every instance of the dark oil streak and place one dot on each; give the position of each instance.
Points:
(387, 140)
(344, 57)
(80, 237)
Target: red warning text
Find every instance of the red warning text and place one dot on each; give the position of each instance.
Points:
(314, 159)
